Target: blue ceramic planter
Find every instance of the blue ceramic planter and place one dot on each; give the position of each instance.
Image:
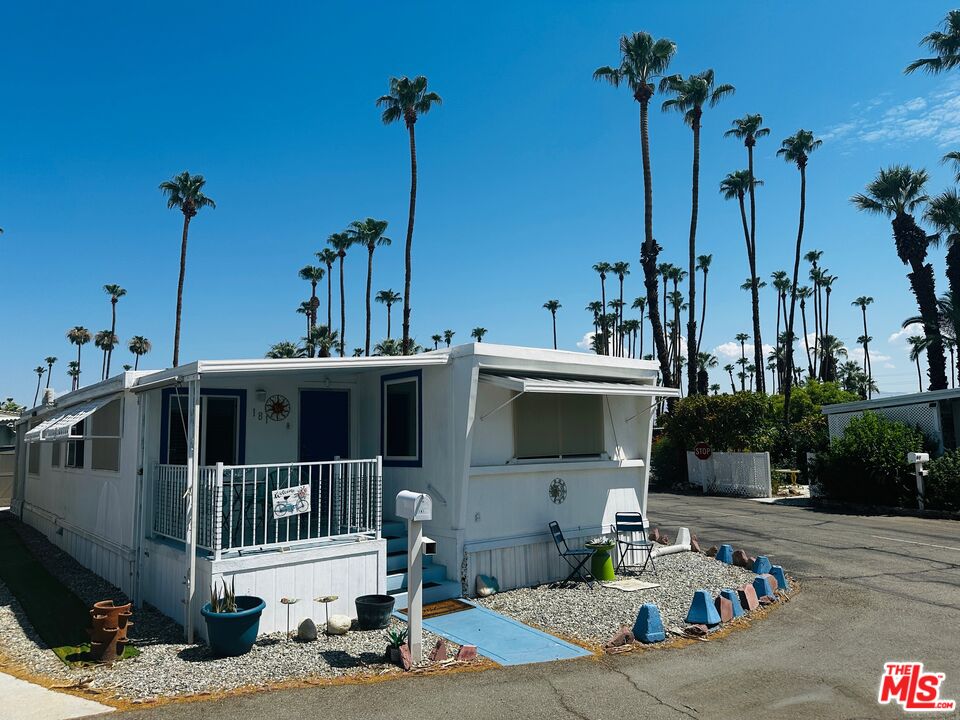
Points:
(231, 634)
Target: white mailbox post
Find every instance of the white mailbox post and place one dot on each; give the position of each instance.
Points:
(415, 508)
(919, 460)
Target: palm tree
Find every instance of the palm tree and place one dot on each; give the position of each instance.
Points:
(106, 341)
(139, 346)
(73, 371)
(678, 305)
(602, 268)
(728, 368)
(596, 308)
(115, 292)
(781, 284)
(813, 257)
(749, 128)
(715, 389)
(324, 339)
(951, 345)
(621, 270)
(736, 185)
(690, 96)
(642, 60)
(184, 192)
(795, 149)
(50, 360)
(328, 257)
(285, 349)
(897, 192)
(477, 333)
(407, 100)
(306, 309)
(945, 45)
(640, 303)
(803, 292)
(943, 212)
(826, 282)
(917, 344)
(553, 306)
(79, 336)
(830, 349)
(313, 274)
(742, 339)
(387, 347)
(388, 298)
(630, 328)
(436, 340)
(341, 242)
(39, 370)
(703, 264)
(448, 336)
(705, 361)
(369, 233)
(862, 302)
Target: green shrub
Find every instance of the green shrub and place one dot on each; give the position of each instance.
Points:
(942, 486)
(868, 463)
(728, 423)
(668, 462)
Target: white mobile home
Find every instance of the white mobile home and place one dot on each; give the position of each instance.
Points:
(281, 474)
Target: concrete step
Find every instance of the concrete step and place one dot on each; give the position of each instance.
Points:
(393, 528)
(397, 582)
(432, 592)
(398, 544)
(397, 561)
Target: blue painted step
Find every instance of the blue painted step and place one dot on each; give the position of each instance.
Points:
(431, 573)
(397, 562)
(393, 528)
(398, 544)
(432, 592)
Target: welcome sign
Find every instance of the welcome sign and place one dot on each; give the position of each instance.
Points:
(291, 501)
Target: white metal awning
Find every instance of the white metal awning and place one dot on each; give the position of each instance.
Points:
(528, 384)
(61, 425)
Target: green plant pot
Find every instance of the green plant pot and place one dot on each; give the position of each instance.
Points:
(601, 565)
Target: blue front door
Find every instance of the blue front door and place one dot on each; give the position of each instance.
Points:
(324, 425)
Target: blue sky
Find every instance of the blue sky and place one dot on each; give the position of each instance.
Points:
(529, 172)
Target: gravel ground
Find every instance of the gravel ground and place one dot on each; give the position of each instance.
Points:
(168, 667)
(596, 615)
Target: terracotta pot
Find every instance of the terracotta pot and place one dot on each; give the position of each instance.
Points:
(108, 630)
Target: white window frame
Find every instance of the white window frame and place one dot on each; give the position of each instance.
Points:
(172, 411)
(415, 380)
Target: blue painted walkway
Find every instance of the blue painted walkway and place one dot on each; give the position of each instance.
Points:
(502, 639)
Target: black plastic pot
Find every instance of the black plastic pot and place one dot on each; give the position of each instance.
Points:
(373, 611)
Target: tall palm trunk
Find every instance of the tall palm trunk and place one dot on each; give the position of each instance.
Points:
(754, 291)
(407, 264)
(650, 249)
(388, 321)
(366, 344)
(733, 385)
(743, 367)
(806, 341)
(866, 354)
(619, 319)
(703, 314)
(103, 365)
(36, 395)
(788, 350)
(604, 323)
(692, 250)
(136, 360)
(641, 335)
(343, 313)
(817, 326)
(953, 282)
(553, 315)
(329, 297)
(187, 210)
(76, 380)
(113, 332)
(919, 375)
(777, 343)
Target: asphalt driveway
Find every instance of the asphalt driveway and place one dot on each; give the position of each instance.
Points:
(875, 589)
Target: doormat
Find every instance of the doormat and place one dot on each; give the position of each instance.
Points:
(444, 607)
(631, 585)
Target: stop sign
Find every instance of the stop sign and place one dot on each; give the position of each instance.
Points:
(702, 451)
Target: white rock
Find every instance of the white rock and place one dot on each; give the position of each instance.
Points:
(307, 630)
(338, 624)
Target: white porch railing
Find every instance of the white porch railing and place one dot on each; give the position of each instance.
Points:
(235, 509)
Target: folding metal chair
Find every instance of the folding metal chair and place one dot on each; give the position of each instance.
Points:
(576, 559)
(626, 526)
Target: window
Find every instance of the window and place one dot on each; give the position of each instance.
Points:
(76, 449)
(105, 424)
(558, 426)
(401, 411)
(33, 454)
(55, 454)
(221, 439)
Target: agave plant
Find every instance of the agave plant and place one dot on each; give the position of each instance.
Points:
(397, 638)
(226, 601)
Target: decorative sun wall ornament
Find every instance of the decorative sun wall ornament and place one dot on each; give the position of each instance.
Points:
(276, 408)
(558, 490)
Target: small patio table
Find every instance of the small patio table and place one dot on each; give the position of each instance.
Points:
(601, 564)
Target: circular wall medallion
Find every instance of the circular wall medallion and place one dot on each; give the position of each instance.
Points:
(558, 490)
(276, 408)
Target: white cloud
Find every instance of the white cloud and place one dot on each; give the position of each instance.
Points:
(587, 342)
(876, 358)
(731, 350)
(934, 117)
(900, 336)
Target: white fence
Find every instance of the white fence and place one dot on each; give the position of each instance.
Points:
(235, 508)
(727, 473)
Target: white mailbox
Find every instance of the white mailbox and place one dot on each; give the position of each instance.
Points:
(414, 506)
(918, 457)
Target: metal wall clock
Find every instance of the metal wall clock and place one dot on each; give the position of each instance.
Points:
(276, 408)
(558, 490)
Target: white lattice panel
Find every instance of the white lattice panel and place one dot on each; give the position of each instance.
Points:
(736, 474)
(922, 415)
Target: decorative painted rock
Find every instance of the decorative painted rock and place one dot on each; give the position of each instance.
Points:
(702, 610)
(773, 582)
(741, 559)
(307, 630)
(467, 652)
(695, 545)
(649, 626)
(762, 565)
(734, 597)
(711, 551)
(487, 586)
(762, 586)
(725, 554)
(623, 637)
(748, 598)
(338, 624)
(406, 662)
(439, 651)
(724, 608)
(778, 573)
